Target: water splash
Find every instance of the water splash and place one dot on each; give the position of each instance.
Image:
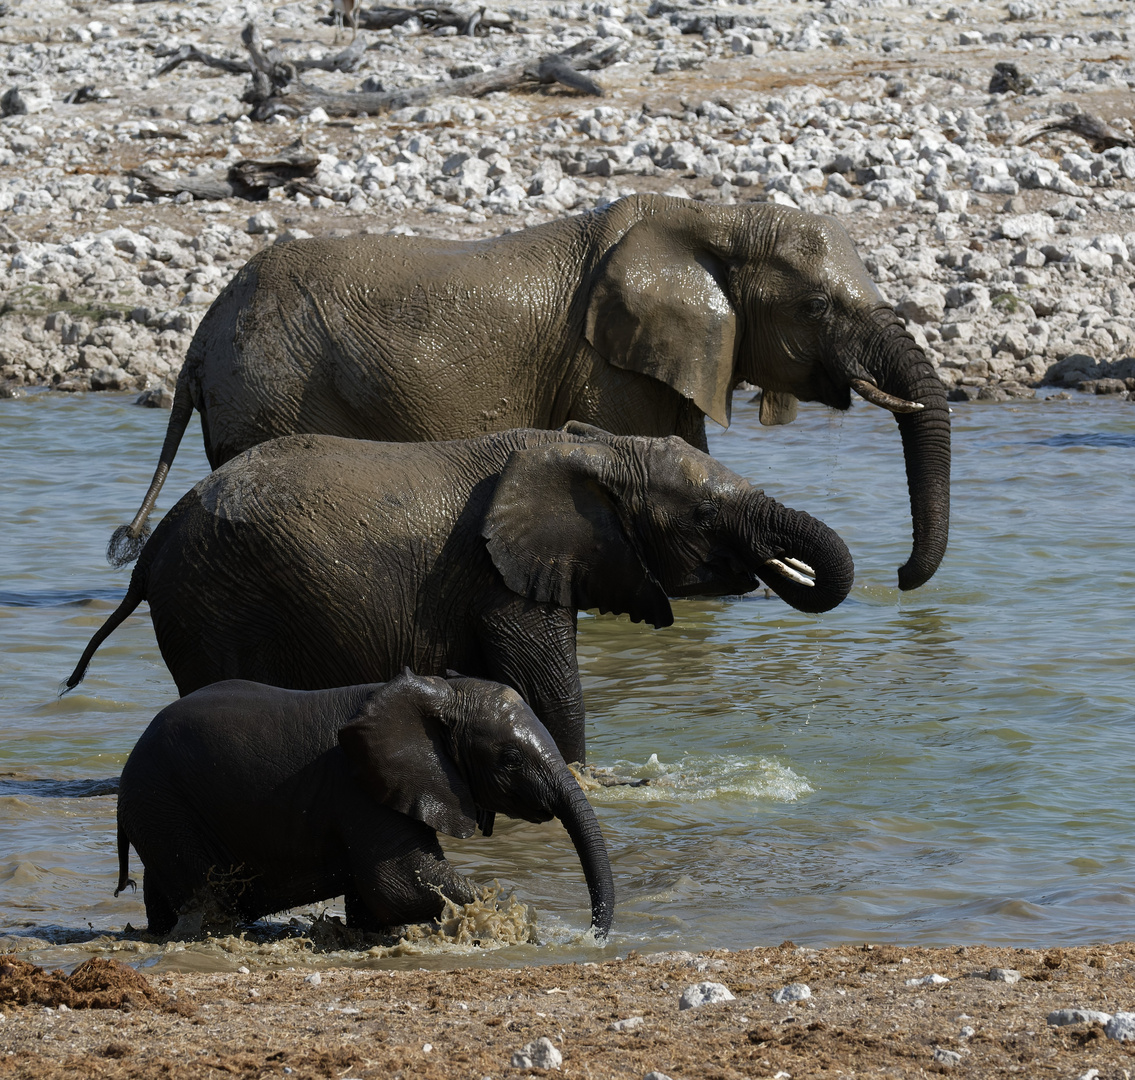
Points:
(699, 777)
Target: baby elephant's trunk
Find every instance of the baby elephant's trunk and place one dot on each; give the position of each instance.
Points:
(573, 809)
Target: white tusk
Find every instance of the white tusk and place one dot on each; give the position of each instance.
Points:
(803, 567)
(789, 573)
(870, 392)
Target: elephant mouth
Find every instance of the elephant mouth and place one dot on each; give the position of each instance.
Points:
(722, 574)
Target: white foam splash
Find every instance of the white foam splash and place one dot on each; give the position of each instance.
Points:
(698, 777)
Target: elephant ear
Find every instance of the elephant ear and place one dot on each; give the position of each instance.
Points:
(398, 748)
(777, 407)
(660, 307)
(558, 533)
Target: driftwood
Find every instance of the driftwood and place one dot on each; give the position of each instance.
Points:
(432, 18)
(346, 61)
(1102, 136)
(277, 89)
(291, 169)
(281, 97)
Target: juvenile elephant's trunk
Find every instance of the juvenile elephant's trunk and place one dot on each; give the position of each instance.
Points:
(573, 809)
(798, 557)
(898, 366)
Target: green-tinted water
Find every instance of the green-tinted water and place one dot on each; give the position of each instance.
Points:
(948, 765)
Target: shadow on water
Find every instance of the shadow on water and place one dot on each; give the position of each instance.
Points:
(1088, 438)
(58, 789)
(47, 598)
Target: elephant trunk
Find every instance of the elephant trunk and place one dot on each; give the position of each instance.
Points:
(797, 556)
(896, 364)
(573, 809)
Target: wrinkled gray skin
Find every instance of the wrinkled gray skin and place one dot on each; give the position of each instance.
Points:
(243, 799)
(639, 318)
(312, 561)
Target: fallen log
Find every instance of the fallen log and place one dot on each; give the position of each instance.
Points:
(565, 68)
(1101, 135)
(433, 18)
(277, 89)
(346, 61)
(292, 169)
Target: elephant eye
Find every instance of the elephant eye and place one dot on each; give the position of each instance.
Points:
(705, 514)
(511, 758)
(815, 307)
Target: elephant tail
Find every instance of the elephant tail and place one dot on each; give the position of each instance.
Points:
(135, 594)
(124, 878)
(127, 541)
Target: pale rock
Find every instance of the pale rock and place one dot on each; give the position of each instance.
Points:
(1113, 245)
(263, 222)
(631, 1023)
(949, 1058)
(1067, 1017)
(933, 979)
(793, 992)
(981, 267)
(1027, 227)
(110, 378)
(923, 305)
(1010, 975)
(540, 1054)
(890, 193)
(1121, 1027)
(314, 979)
(546, 179)
(704, 993)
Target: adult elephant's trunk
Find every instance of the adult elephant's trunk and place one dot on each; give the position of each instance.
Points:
(894, 363)
(573, 809)
(797, 556)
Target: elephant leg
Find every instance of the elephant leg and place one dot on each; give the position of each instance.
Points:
(401, 878)
(531, 647)
(161, 912)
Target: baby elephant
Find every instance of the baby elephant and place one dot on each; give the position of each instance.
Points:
(244, 799)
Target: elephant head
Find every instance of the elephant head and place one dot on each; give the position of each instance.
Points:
(702, 298)
(621, 524)
(453, 753)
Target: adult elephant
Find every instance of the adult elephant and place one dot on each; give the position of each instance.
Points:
(639, 318)
(312, 561)
(243, 800)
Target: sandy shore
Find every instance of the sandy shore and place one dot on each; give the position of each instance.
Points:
(872, 1011)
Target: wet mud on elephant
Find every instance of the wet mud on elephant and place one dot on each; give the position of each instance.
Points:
(640, 318)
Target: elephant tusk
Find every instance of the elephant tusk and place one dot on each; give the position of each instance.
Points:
(803, 567)
(870, 392)
(791, 574)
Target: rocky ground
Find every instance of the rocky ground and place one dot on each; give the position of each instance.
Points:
(778, 1013)
(1012, 258)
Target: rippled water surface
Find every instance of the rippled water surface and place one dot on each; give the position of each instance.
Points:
(952, 765)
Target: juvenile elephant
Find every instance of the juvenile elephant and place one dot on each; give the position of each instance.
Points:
(243, 800)
(312, 561)
(639, 318)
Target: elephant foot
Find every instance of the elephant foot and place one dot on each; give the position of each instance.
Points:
(591, 777)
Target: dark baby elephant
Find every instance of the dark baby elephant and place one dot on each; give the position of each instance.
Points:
(243, 800)
(312, 561)
(640, 318)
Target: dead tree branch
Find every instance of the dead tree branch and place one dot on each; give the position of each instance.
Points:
(277, 88)
(562, 67)
(432, 18)
(292, 169)
(1101, 135)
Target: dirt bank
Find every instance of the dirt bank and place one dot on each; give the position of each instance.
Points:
(870, 1012)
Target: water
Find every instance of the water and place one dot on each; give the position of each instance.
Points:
(951, 765)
